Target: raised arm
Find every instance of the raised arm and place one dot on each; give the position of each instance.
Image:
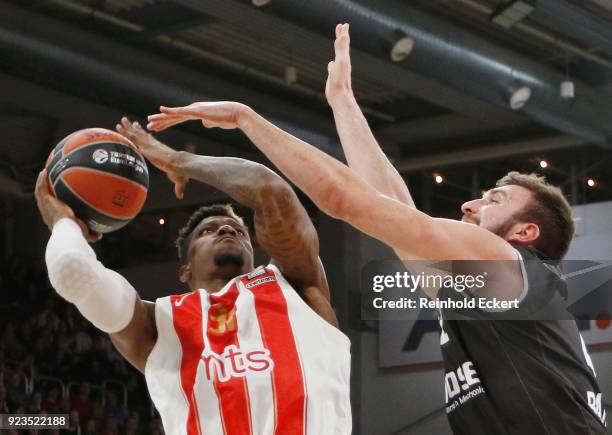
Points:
(283, 228)
(362, 151)
(342, 193)
(102, 296)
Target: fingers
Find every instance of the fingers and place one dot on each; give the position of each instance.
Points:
(185, 110)
(131, 130)
(179, 189)
(161, 121)
(162, 124)
(342, 43)
(125, 122)
(41, 189)
(90, 236)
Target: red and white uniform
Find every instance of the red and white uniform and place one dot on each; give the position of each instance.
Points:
(252, 358)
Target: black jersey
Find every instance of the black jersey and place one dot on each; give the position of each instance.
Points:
(520, 376)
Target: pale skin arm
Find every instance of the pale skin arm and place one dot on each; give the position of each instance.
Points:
(283, 228)
(341, 193)
(363, 153)
(137, 339)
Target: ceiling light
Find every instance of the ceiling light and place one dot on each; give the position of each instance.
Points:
(591, 182)
(543, 164)
(520, 97)
(511, 13)
(567, 89)
(401, 48)
(438, 178)
(162, 221)
(290, 75)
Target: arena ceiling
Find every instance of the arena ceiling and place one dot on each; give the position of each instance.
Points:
(64, 59)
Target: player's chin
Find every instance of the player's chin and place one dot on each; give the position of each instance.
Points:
(229, 257)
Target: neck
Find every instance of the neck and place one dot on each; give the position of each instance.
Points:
(213, 282)
(211, 285)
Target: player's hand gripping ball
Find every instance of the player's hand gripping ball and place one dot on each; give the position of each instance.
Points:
(101, 176)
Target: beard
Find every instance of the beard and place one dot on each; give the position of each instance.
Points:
(503, 228)
(229, 259)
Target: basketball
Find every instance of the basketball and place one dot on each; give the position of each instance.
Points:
(101, 176)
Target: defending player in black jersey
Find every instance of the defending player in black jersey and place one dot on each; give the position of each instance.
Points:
(503, 377)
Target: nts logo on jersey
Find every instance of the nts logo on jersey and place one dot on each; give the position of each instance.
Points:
(235, 362)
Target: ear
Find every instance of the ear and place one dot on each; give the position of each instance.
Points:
(524, 234)
(184, 273)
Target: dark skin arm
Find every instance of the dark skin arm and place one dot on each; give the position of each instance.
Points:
(282, 225)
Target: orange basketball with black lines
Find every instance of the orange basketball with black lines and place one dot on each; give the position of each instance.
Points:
(101, 176)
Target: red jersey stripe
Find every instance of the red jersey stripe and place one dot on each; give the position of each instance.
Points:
(277, 335)
(187, 319)
(232, 391)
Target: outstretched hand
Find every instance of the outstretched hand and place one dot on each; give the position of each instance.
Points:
(161, 155)
(222, 114)
(52, 209)
(339, 70)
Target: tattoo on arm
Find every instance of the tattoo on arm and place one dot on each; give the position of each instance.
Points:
(282, 225)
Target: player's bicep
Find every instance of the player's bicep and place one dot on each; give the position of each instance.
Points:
(286, 233)
(135, 342)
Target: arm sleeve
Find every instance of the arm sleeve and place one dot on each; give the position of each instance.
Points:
(103, 296)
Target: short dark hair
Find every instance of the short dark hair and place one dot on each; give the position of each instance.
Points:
(549, 210)
(182, 242)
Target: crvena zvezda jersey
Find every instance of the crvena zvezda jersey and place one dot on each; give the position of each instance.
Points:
(252, 358)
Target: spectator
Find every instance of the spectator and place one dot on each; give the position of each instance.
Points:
(82, 402)
(111, 426)
(16, 392)
(156, 427)
(13, 344)
(83, 341)
(112, 408)
(131, 426)
(34, 404)
(3, 400)
(51, 403)
(90, 428)
(28, 367)
(74, 426)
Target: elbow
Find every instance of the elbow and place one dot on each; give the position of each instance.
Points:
(271, 186)
(70, 275)
(334, 201)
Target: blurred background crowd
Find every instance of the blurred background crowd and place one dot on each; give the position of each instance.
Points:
(53, 361)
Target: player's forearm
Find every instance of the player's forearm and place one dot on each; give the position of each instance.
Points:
(249, 183)
(363, 152)
(324, 179)
(103, 296)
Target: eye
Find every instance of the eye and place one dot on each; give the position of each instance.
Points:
(239, 231)
(206, 231)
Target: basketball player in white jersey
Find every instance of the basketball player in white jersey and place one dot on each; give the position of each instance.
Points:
(505, 377)
(246, 351)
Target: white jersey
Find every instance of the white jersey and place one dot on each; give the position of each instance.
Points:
(253, 358)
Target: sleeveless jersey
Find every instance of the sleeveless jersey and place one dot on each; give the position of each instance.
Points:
(253, 358)
(521, 376)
